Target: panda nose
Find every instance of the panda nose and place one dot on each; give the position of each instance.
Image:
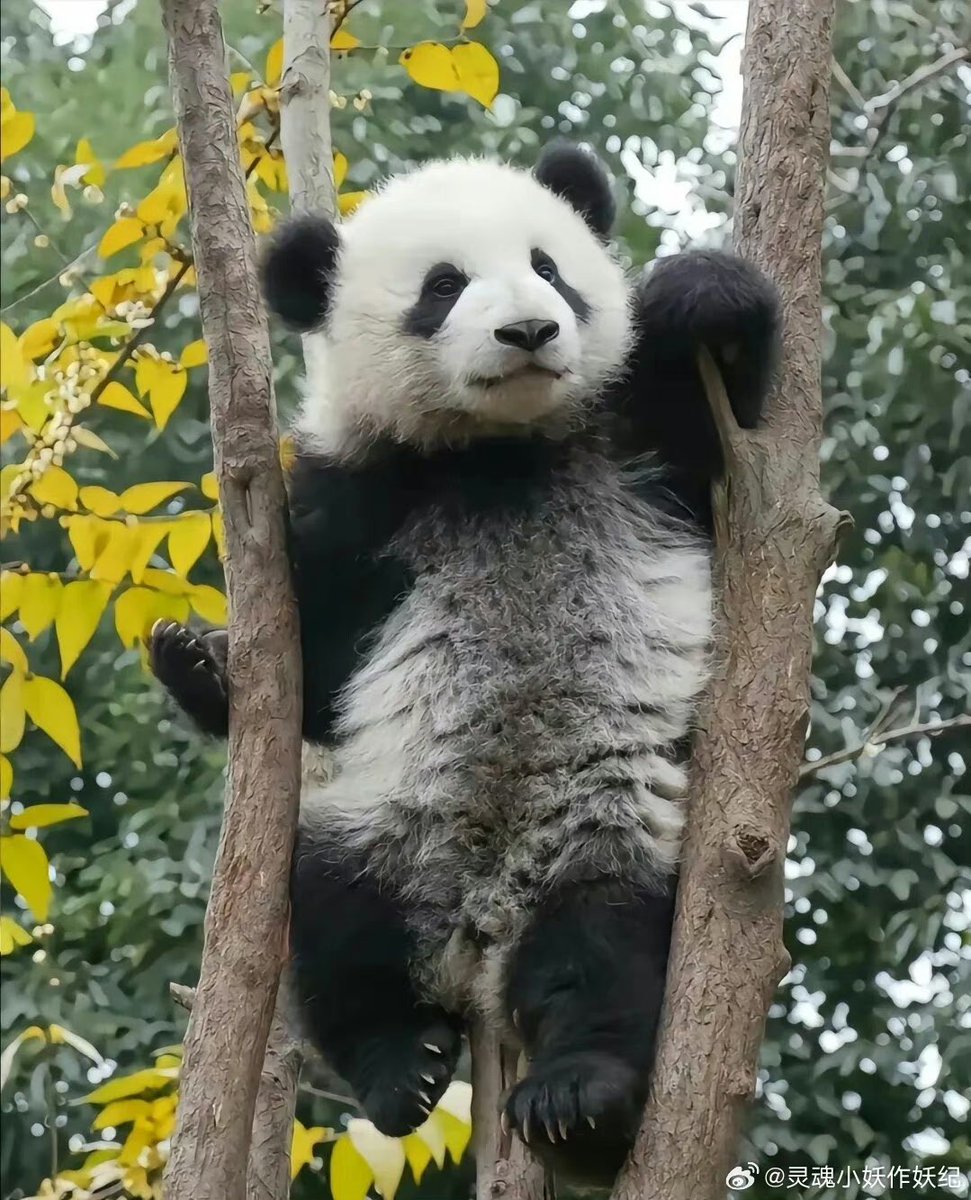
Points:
(527, 335)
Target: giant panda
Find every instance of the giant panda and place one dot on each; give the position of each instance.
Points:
(500, 527)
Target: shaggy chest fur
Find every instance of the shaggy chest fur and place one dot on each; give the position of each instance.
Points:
(515, 723)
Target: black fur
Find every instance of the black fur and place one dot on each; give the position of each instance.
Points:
(580, 179)
(540, 261)
(351, 953)
(701, 298)
(585, 992)
(429, 312)
(192, 666)
(297, 271)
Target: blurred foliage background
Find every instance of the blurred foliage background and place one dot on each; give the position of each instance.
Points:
(868, 1052)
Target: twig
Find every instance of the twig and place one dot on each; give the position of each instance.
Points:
(848, 86)
(335, 1096)
(917, 79)
(848, 753)
(47, 282)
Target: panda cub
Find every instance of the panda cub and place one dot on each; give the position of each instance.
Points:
(500, 541)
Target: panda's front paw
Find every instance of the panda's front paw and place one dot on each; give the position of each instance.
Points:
(578, 1113)
(192, 667)
(408, 1076)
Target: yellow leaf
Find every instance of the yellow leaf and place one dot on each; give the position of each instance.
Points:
(11, 712)
(12, 652)
(88, 536)
(145, 496)
(39, 603)
(342, 40)
(126, 231)
(219, 535)
(340, 168)
(433, 1135)
(302, 1146)
(189, 537)
(167, 582)
(478, 72)
(24, 862)
(6, 777)
(148, 1080)
(91, 441)
(115, 395)
(274, 64)
(12, 935)
(40, 338)
(137, 610)
(384, 1155)
(457, 1134)
(350, 1175)
(120, 1112)
(99, 500)
(56, 487)
(148, 536)
(82, 604)
(208, 486)
(51, 709)
(167, 391)
(349, 202)
(6, 1059)
(18, 129)
(11, 589)
(117, 549)
(430, 65)
(475, 10)
(39, 816)
(239, 82)
(417, 1154)
(144, 153)
(61, 1035)
(167, 202)
(209, 603)
(10, 423)
(95, 175)
(195, 354)
(14, 369)
(457, 1102)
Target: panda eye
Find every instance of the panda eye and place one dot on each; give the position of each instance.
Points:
(545, 268)
(444, 287)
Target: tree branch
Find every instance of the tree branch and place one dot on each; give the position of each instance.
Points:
(849, 753)
(773, 536)
(304, 105)
(244, 943)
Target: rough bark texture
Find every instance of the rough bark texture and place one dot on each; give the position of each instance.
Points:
(504, 1168)
(774, 536)
(268, 1173)
(245, 919)
(305, 105)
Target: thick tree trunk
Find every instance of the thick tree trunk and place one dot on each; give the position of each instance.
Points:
(774, 536)
(245, 919)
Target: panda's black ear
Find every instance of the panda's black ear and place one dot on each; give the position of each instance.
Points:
(297, 271)
(581, 180)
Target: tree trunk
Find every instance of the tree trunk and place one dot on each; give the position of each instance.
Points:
(774, 536)
(305, 137)
(245, 919)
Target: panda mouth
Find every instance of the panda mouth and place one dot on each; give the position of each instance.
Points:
(527, 371)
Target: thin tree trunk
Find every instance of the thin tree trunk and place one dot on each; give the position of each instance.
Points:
(504, 1168)
(774, 536)
(245, 919)
(305, 137)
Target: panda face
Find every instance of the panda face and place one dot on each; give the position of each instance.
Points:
(465, 299)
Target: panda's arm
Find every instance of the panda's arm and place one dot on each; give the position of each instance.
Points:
(689, 300)
(346, 581)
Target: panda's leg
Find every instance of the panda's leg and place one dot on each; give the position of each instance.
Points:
(351, 954)
(584, 990)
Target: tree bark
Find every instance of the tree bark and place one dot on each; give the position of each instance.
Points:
(245, 919)
(268, 1172)
(774, 537)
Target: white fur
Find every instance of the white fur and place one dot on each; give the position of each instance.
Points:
(365, 375)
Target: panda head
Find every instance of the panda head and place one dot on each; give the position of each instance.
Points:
(464, 299)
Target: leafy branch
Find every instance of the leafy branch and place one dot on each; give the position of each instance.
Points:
(877, 740)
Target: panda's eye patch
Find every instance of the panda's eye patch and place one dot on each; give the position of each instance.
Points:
(544, 266)
(444, 282)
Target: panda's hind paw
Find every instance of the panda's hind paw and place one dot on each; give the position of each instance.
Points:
(578, 1113)
(410, 1077)
(192, 666)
